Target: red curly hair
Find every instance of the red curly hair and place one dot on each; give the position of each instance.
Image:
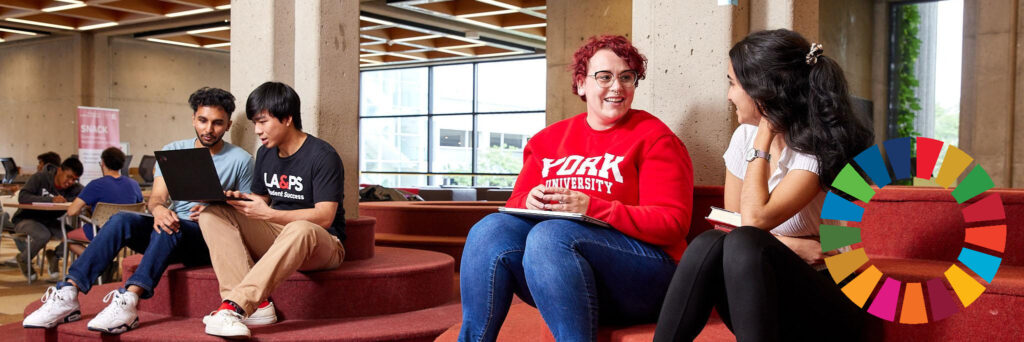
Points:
(617, 44)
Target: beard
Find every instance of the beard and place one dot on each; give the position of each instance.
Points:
(210, 145)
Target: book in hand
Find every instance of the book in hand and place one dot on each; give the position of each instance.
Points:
(724, 219)
(547, 215)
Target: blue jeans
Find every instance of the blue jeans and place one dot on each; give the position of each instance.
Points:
(159, 250)
(565, 269)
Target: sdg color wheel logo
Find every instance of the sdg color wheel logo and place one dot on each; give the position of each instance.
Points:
(940, 303)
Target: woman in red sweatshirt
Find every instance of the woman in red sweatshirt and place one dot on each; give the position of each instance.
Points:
(614, 163)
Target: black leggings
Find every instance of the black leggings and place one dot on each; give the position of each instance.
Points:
(761, 289)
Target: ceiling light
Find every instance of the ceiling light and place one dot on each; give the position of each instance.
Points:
(63, 7)
(432, 36)
(375, 20)
(223, 7)
(195, 11)
(500, 4)
(217, 45)
(71, 1)
(90, 27)
(156, 40)
(211, 29)
(27, 33)
(517, 27)
(30, 22)
(485, 14)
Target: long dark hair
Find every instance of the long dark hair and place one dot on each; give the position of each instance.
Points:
(805, 99)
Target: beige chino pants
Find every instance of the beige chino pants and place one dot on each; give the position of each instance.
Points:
(252, 257)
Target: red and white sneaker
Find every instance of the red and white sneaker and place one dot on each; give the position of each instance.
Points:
(264, 314)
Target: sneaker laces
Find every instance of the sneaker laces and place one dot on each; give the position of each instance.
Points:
(51, 293)
(116, 296)
(231, 313)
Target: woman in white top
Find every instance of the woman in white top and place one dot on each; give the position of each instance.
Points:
(796, 132)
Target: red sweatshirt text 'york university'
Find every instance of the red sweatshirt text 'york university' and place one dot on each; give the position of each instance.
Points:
(638, 175)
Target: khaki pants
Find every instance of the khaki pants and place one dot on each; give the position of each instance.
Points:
(251, 257)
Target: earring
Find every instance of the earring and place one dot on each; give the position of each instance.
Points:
(579, 91)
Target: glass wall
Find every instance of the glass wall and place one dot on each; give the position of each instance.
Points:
(463, 124)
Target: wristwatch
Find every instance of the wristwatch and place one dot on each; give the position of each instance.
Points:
(755, 153)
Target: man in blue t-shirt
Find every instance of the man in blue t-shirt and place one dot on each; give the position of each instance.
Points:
(111, 188)
(294, 220)
(169, 235)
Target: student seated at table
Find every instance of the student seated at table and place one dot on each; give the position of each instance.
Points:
(111, 188)
(58, 185)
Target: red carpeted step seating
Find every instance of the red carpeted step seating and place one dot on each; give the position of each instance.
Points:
(439, 226)
(910, 233)
(915, 234)
(393, 294)
(525, 324)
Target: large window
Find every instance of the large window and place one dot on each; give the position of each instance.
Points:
(463, 124)
(926, 48)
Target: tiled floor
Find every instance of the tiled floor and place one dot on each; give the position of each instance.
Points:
(15, 292)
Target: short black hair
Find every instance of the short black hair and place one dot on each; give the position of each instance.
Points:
(278, 99)
(212, 97)
(74, 165)
(49, 158)
(113, 158)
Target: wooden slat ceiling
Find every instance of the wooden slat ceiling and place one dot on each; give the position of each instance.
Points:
(383, 41)
(522, 17)
(84, 15)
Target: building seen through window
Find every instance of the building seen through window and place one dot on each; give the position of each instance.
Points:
(463, 124)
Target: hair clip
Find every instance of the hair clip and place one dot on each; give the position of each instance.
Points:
(812, 56)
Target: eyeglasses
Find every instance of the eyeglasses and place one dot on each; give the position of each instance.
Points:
(627, 79)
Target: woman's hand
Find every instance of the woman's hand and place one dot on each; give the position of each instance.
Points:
(765, 135)
(562, 199)
(807, 248)
(535, 198)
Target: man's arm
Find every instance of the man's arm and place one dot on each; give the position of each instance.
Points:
(322, 213)
(32, 190)
(163, 219)
(76, 207)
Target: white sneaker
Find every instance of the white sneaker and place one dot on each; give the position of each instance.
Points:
(59, 306)
(226, 323)
(119, 316)
(262, 316)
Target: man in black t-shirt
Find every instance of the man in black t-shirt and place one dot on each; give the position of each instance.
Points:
(294, 221)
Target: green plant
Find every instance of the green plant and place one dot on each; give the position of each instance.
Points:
(908, 48)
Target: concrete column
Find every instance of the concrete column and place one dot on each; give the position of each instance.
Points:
(1018, 108)
(570, 23)
(687, 46)
(880, 71)
(797, 15)
(987, 90)
(327, 79)
(1018, 112)
(262, 49)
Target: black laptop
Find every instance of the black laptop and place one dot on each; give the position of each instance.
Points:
(191, 176)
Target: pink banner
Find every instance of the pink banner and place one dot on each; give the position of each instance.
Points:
(98, 128)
